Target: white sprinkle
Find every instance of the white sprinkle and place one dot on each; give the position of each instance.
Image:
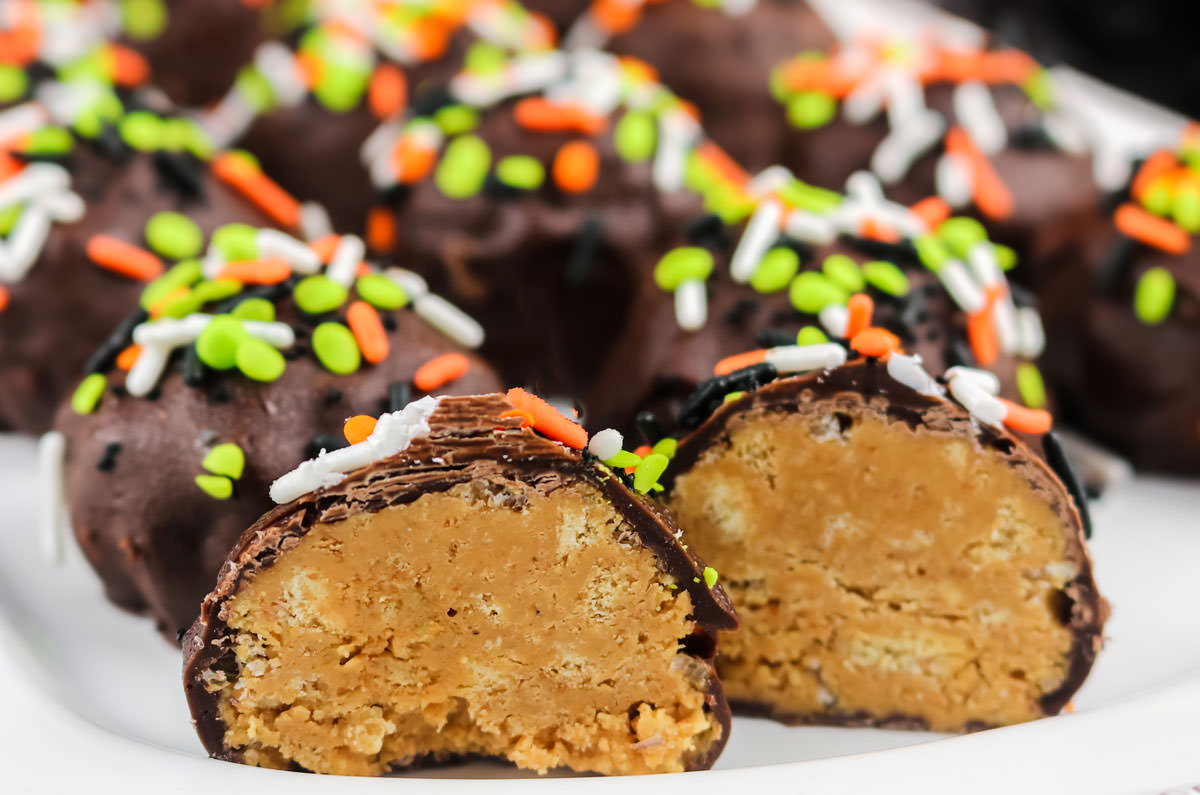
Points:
(314, 221)
(691, 305)
(66, 101)
(952, 178)
(584, 32)
(535, 71)
(478, 90)
(143, 376)
(810, 228)
(22, 119)
(865, 101)
(228, 119)
(63, 206)
(26, 240)
(904, 96)
(272, 243)
(51, 454)
(982, 259)
(381, 141)
(1004, 321)
(274, 333)
(382, 171)
(1031, 337)
(962, 288)
(1065, 132)
(761, 231)
(170, 332)
(984, 379)
(278, 65)
(1111, 166)
(834, 318)
(344, 265)
(212, 263)
(768, 181)
(976, 400)
(449, 319)
(909, 371)
(864, 186)
(413, 284)
(803, 358)
(737, 8)
(895, 154)
(676, 133)
(976, 112)
(392, 435)
(606, 443)
(37, 179)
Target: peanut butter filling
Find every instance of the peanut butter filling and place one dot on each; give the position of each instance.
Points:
(490, 619)
(879, 572)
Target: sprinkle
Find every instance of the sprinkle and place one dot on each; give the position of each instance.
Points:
(1030, 385)
(547, 420)
(440, 370)
(387, 93)
(908, 371)
(761, 231)
(258, 188)
(861, 308)
(981, 333)
(381, 229)
(336, 348)
(358, 428)
(1185, 208)
(932, 252)
(316, 295)
(683, 264)
(380, 292)
(448, 319)
(576, 167)
(344, 264)
(399, 395)
(235, 242)
(647, 473)
(984, 379)
(456, 119)
(1155, 166)
(325, 246)
(217, 345)
(962, 235)
(962, 288)
(257, 309)
(141, 130)
(982, 406)
(521, 172)
(1154, 296)
(810, 292)
(314, 221)
(808, 110)
(877, 342)
(258, 361)
(811, 335)
(635, 136)
(691, 305)
(225, 459)
(265, 271)
(975, 109)
(13, 83)
(174, 235)
(991, 195)
(87, 395)
(834, 318)
(666, 446)
(273, 244)
(886, 278)
(543, 115)
(776, 270)
(1030, 334)
(145, 374)
(1135, 222)
(1031, 421)
(124, 259)
(127, 358)
(216, 486)
(464, 167)
(368, 331)
(710, 576)
(738, 361)
(143, 19)
(803, 358)
(844, 272)
(4, 298)
(606, 443)
(932, 211)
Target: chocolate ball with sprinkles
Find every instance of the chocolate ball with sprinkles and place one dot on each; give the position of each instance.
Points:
(306, 105)
(1123, 309)
(474, 584)
(237, 366)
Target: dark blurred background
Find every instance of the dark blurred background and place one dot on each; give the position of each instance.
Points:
(1149, 47)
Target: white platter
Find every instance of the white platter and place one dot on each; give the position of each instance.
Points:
(92, 701)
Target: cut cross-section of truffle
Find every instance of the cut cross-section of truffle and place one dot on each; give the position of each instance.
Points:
(469, 587)
(894, 560)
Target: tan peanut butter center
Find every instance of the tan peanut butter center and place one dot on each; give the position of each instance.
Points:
(488, 619)
(879, 571)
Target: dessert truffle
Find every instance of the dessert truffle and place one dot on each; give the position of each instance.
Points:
(895, 558)
(237, 368)
(458, 584)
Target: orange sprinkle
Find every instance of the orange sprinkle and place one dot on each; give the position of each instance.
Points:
(875, 341)
(160, 306)
(576, 167)
(932, 211)
(430, 39)
(3, 298)
(805, 75)
(310, 68)
(1156, 165)
(722, 163)
(19, 46)
(412, 162)
(874, 230)
(264, 271)
(641, 451)
(9, 165)
(1026, 420)
(127, 67)
(127, 358)
(123, 258)
(324, 247)
(388, 93)
(1069, 708)
(861, 309)
(526, 417)
(981, 333)
(547, 420)
(260, 189)
(544, 115)
(990, 194)
(1148, 228)
(615, 16)
(638, 69)
(369, 333)
(1004, 66)
(739, 360)
(381, 229)
(359, 427)
(441, 370)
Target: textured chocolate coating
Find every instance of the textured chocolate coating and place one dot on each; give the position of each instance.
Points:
(153, 536)
(66, 305)
(866, 386)
(561, 13)
(467, 440)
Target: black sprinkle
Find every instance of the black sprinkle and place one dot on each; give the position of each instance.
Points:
(295, 352)
(647, 425)
(742, 311)
(430, 98)
(1057, 460)
(901, 253)
(333, 395)
(958, 352)
(493, 188)
(782, 317)
(399, 395)
(179, 633)
(118, 391)
(583, 251)
(154, 394)
(1115, 265)
(194, 370)
(711, 393)
(1032, 136)
(106, 355)
(774, 337)
(1022, 296)
(708, 230)
(180, 171)
(394, 195)
(57, 159)
(323, 441)
(110, 144)
(108, 461)
(389, 321)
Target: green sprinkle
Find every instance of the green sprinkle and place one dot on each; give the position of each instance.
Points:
(258, 361)
(732, 396)
(318, 294)
(1030, 385)
(710, 576)
(13, 83)
(456, 119)
(484, 58)
(809, 110)
(464, 167)
(811, 292)
(687, 263)
(646, 476)
(1186, 210)
(335, 348)
(183, 306)
(50, 141)
(90, 67)
(623, 459)
(225, 459)
(1039, 87)
(142, 130)
(216, 290)
(885, 277)
(666, 446)
(341, 86)
(777, 83)
(143, 19)
(249, 159)
(521, 171)
(1006, 258)
(931, 251)
(776, 271)
(236, 242)
(9, 216)
(809, 197)
(216, 486)
(217, 345)
(844, 272)
(255, 88)
(1158, 196)
(811, 335)
(88, 393)
(90, 121)
(960, 234)
(183, 274)
(1154, 296)
(258, 309)
(636, 136)
(173, 235)
(380, 292)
